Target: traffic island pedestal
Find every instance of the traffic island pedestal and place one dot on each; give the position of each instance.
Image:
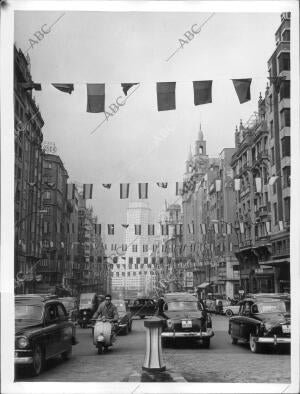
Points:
(153, 359)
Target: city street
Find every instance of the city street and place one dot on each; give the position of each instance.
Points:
(222, 362)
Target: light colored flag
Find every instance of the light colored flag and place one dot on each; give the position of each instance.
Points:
(268, 227)
(258, 184)
(242, 230)
(191, 228)
(237, 184)
(124, 190)
(216, 228)
(280, 223)
(87, 191)
(218, 185)
(228, 228)
(143, 190)
(272, 180)
(164, 185)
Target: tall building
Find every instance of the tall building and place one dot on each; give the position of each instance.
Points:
(28, 176)
(53, 265)
(133, 274)
(278, 120)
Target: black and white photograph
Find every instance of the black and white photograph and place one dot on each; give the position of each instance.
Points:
(149, 196)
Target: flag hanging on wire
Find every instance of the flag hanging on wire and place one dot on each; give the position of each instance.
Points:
(70, 191)
(164, 229)
(268, 227)
(280, 224)
(242, 230)
(237, 184)
(125, 225)
(97, 228)
(203, 228)
(150, 229)
(164, 185)
(87, 191)
(106, 185)
(191, 228)
(95, 97)
(143, 191)
(272, 180)
(64, 87)
(138, 229)
(127, 86)
(218, 185)
(124, 190)
(228, 228)
(31, 85)
(111, 229)
(258, 185)
(179, 186)
(216, 228)
(242, 88)
(166, 96)
(202, 92)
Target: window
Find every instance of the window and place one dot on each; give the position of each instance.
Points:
(285, 146)
(128, 273)
(272, 129)
(275, 212)
(272, 156)
(117, 274)
(145, 248)
(130, 260)
(287, 207)
(134, 273)
(123, 273)
(286, 35)
(138, 260)
(145, 260)
(285, 118)
(285, 90)
(284, 61)
(286, 171)
(134, 248)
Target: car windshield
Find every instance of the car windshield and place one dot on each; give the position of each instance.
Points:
(182, 306)
(120, 305)
(28, 312)
(273, 306)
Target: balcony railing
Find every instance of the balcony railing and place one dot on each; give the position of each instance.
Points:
(245, 244)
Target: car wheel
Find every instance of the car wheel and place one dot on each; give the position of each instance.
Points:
(234, 341)
(130, 326)
(206, 343)
(67, 354)
(100, 349)
(38, 361)
(229, 312)
(254, 346)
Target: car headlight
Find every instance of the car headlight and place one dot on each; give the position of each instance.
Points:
(22, 342)
(170, 323)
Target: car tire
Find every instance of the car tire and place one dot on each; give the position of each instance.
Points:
(100, 349)
(254, 346)
(67, 354)
(234, 341)
(130, 326)
(126, 330)
(38, 361)
(229, 313)
(206, 343)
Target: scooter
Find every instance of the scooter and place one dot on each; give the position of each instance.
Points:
(103, 334)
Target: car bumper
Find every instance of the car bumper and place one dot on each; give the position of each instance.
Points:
(122, 325)
(23, 360)
(192, 334)
(275, 340)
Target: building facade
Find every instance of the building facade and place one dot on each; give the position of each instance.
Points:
(28, 177)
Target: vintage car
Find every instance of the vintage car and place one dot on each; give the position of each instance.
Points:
(262, 320)
(88, 305)
(71, 306)
(185, 318)
(230, 310)
(125, 318)
(42, 331)
(142, 307)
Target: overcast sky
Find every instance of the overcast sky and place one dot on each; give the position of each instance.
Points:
(110, 48)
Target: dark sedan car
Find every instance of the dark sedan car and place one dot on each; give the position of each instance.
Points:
(142, 307)
(185, 318)
(42, 331)
(262, 320)
(125, 318)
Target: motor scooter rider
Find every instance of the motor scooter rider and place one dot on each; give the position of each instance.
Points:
(107, 310)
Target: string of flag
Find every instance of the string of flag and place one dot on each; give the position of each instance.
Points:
(165, 92)
(180, 187)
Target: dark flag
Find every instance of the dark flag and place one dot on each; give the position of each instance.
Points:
(143, 191)
(166, 96)
(31, 85)
(95, 97)
(64, 87)
(124, 190)
(106, 185)
(127, 86)
(202, 92)
(242, 88)
(87, 191)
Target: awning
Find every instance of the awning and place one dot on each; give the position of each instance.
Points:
(203, 285)
(276, 262)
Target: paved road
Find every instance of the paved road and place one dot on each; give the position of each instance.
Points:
(222, 362)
